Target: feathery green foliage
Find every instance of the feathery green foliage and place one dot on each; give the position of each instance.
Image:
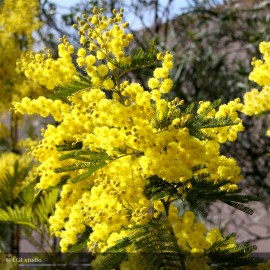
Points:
(33, 215)
(156, 247)
(139, 59)
(26, 209)
(92, 161)
(154, 241)
(28, 194)
(18, 215)
(44, 205)
(201, 195)
(7, 187)
(79, 83)
(232, 257)
(10, 181)
(195, 121)
(166, 118)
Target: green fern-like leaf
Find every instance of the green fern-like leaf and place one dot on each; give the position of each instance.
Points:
(159, 246)
(110, 261)
(18, 215)
(206, 192)
(163, 121)
(201, 195)
(73, 167)
(230, 258)
(90, 166)
(93, 161)
(156, 247)
(233, 257)
(86, 155)
(28, 193)
(196, 121)
(9, 183)
(221, 242)
(79, 83)
(32, 214)
(44, 206)
(158, 188)
(190, 108)
(139, 59)
(91, 169)
(154, 241)
(114, 256)
(198, 134)
(69, 146)
(239, 206)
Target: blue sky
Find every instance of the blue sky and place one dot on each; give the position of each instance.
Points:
(175, 9)
(68, 3)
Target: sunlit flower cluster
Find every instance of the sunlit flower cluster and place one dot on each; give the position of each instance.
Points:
(257, 101)
(103, 41)
(19, 17)
(18, 20)
(192, 236)
(128, 128)
(43, 69)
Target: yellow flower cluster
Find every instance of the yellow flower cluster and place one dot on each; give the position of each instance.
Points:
(192, 236)
(161, 80)
(255, 101)
(103, 42)
(18, 17)
(224, 134)
(104, 39)
(43, 69)
(44, 107)
(116, 199)
(18, 20)
(127, 128)
(260, 72)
